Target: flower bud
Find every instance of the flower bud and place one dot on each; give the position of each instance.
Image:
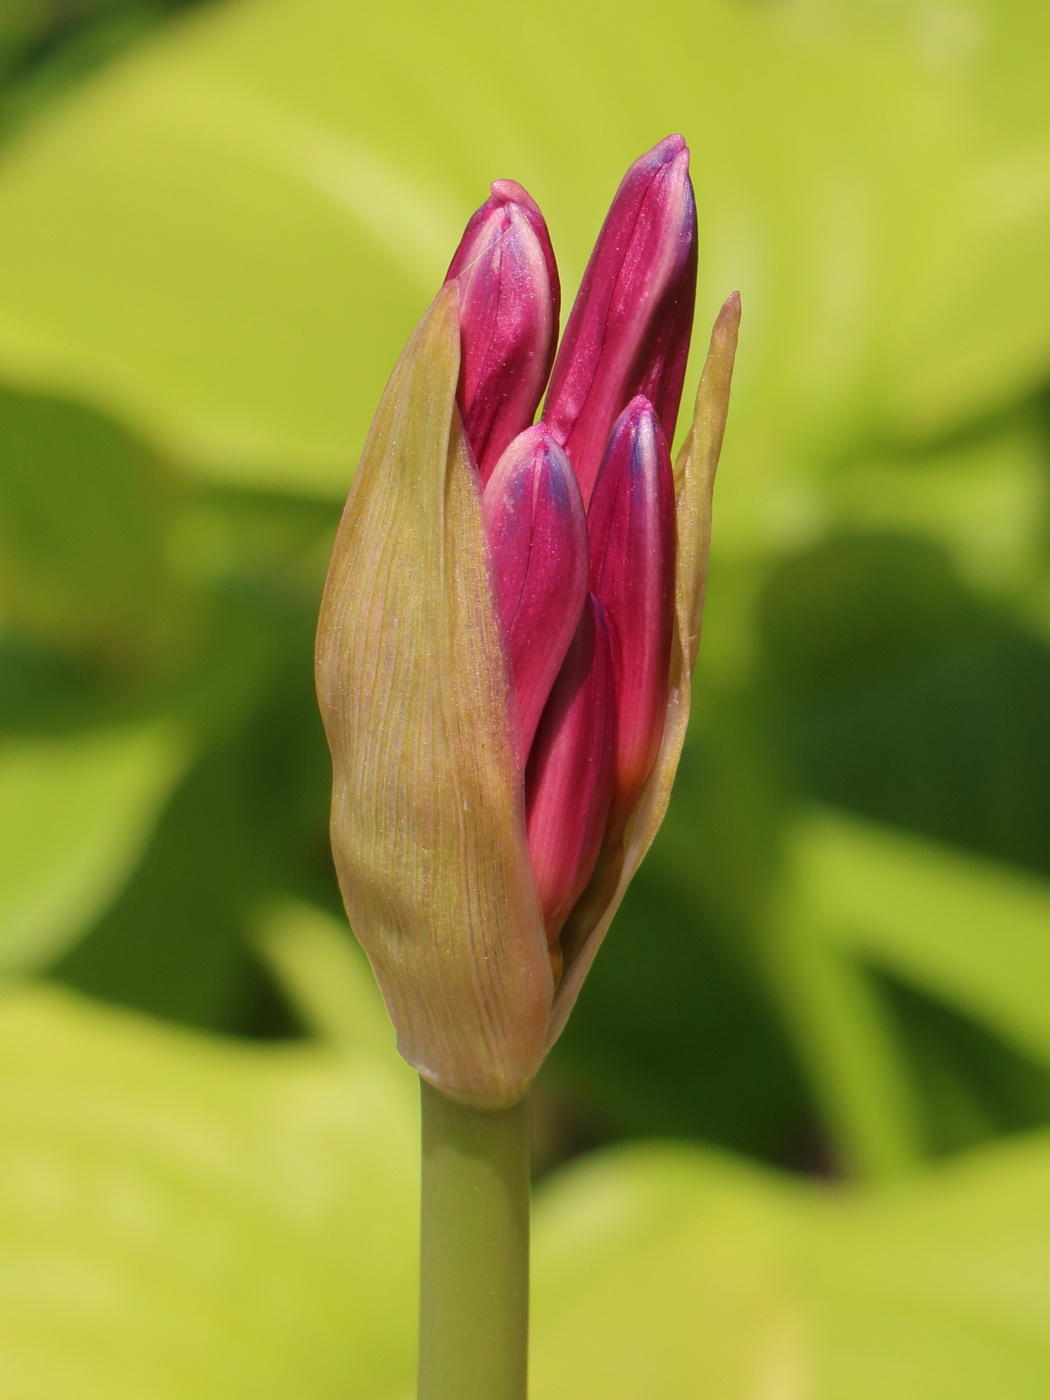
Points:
(570, 775)
(631, 527)
(509, 303)
(538, 537)
(694, 473)
(629, 329)
(504, 681)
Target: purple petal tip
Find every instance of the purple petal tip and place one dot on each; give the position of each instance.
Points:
(629, 329)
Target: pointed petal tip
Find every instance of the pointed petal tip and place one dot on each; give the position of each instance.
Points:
(510, 192)
(539, 434)
(639, 407)
(630, 326)
(509, 302)
(668, 160)
(669, 149)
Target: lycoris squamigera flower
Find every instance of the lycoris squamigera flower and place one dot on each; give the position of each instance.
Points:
(510, 623)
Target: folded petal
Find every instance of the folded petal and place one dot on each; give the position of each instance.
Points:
(631, 524)
(538, 537)
(509, 304)
(694, 482)
(570, 773)
(428, 827)
(629, 329)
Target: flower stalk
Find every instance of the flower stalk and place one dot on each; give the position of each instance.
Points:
(504, 661)
(474, 1250)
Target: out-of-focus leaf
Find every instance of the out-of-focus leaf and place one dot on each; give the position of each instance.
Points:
(973, 1085)
(186, 1218)
(667, 1272)
(903, 696)
(230, 235)
(326, 974)
(659, 1271)
(176, 940)
(983, 499)
(75, 812)
(83, 528)
(853, 1052)
(973, 932)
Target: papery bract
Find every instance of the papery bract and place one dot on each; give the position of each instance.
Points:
(428, 829)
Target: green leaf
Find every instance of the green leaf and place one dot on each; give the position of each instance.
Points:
(971, 931)
(190, 1217)
(83, 528)
(75, 812)
(326, 975)
(673, 1273)
(229, 235)
(848, 1042)
(983, 499)
(659, 1271)
(186, 1218)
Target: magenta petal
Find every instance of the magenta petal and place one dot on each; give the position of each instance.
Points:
(569, 778)
(509, 305)
(631, 525)
(538, 538)
(628, 332)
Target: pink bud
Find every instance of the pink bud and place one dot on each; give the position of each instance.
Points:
(631, 524)
(569, 777)
(509, 298)
(538, 540)
(629, 329)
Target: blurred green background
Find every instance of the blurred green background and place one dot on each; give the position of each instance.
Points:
(795, 1143)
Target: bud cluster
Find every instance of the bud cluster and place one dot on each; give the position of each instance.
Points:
(580, 509)
(510, 623)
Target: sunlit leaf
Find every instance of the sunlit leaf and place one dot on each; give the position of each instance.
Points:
(83, 538)
(229, 236)
(668, 1272)
(187, 1218)
(974, 932)
(75, 812)
(983, 499)
(328, 977)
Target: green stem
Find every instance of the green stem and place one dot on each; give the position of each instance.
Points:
(474, 1251)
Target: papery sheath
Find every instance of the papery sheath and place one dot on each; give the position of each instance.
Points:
(427, 813)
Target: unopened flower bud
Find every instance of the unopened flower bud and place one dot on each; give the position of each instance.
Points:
(629, 328)
(570, 774)
(505, 681)
(509, 299)
(538, 536)
(631, 526)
